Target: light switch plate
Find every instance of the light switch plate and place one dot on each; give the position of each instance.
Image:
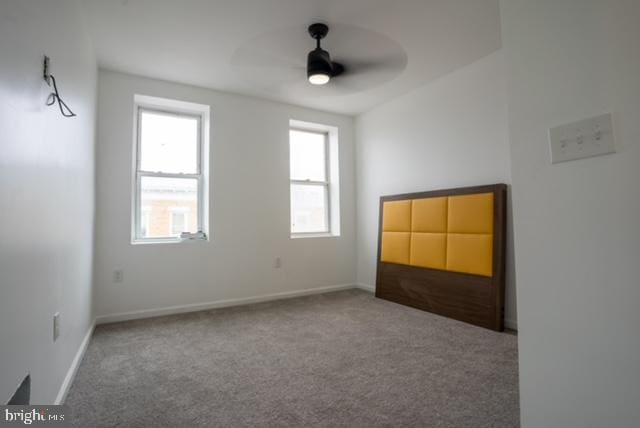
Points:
(582, 139)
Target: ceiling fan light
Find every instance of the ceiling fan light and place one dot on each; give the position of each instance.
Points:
(319, 68)
(319, 79)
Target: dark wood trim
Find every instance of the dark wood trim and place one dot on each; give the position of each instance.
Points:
(475, 299)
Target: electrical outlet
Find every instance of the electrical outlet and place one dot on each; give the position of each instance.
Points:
(56, 326)
(118, 276)
(277, 263)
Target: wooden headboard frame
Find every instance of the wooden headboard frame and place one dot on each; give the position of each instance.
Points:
(466, 297)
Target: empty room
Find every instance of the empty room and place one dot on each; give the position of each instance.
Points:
(289, 213)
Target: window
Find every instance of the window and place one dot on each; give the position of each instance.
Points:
(170, 185)
(312, 180)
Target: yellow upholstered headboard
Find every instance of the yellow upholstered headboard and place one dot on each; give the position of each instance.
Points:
(443, 251)
(453, 233)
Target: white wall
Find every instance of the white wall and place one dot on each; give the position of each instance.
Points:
(249, 206)
(46, 194)
(576, 224)
(450, 133)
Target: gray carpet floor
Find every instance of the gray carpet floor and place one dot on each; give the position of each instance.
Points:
(336, 359)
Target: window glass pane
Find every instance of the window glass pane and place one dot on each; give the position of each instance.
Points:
(178, 223)
(169, 206)
(168, 143)
(307, 156)
(308, 208)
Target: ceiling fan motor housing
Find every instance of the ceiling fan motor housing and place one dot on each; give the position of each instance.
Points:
(319, 62)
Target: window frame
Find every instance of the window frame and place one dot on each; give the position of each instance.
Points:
(145, 218)
(326, 183)
(199, 175)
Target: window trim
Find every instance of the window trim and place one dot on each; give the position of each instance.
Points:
(326, 183)
(138, 173)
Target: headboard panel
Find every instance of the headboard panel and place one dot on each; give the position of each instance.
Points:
(443, 251)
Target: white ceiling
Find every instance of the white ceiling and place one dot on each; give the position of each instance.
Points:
(259, 47)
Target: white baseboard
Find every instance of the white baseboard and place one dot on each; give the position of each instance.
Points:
(73, 369)
(194, 307)
(511, 324)
(366, 287)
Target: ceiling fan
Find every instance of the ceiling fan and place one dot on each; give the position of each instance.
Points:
(320, 68)
(276, 61)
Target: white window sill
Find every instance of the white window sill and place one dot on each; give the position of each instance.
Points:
(167, 241)
(313, 235)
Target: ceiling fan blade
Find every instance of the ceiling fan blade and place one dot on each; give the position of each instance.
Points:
(273, 49)
(390, 63)
(249, 57)
(272, 79)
